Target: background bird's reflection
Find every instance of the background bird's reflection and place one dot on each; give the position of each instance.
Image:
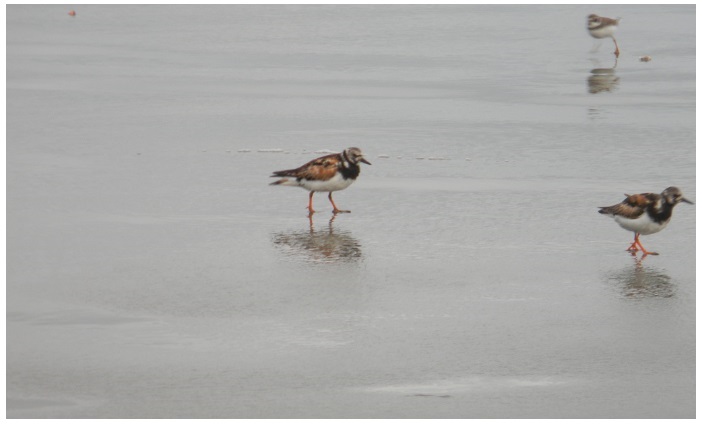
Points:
(602, 79)
(319, 245)
(640, 281)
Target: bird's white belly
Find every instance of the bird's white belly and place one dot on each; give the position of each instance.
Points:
(607, 31)
(643, 225)
(336, 183)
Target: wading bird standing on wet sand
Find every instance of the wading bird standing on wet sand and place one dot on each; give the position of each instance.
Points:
(645, 213)
(328, 173)
(601, 27)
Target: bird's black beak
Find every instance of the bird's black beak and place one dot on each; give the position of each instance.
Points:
(365, 161)
(686, 201)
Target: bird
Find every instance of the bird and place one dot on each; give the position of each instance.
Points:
(601, 27)
(328, 173)
(645, 213)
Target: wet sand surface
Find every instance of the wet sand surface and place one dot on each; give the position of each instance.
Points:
(153, 273)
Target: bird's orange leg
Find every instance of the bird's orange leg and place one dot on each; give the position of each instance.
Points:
(310, 204)
(616, 47)
(336, 210)
(633, 247)
(645, 252)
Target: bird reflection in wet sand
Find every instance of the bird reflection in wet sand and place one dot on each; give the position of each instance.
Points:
(602, 79)
(639, 282)
(319, 246)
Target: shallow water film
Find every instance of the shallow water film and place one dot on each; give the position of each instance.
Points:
(152, 272)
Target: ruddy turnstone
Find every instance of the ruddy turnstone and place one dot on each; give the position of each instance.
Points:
(601, 27)
(328, 173)
(645, 213)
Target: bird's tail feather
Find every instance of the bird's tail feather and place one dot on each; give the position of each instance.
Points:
(285, 182)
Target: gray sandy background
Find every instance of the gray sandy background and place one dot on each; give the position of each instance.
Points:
(153, 273)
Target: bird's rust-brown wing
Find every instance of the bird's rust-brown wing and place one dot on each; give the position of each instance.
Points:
(632, 207)
(320, 169)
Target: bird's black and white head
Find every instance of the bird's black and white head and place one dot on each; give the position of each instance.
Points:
(354, 155)
(673, 196)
